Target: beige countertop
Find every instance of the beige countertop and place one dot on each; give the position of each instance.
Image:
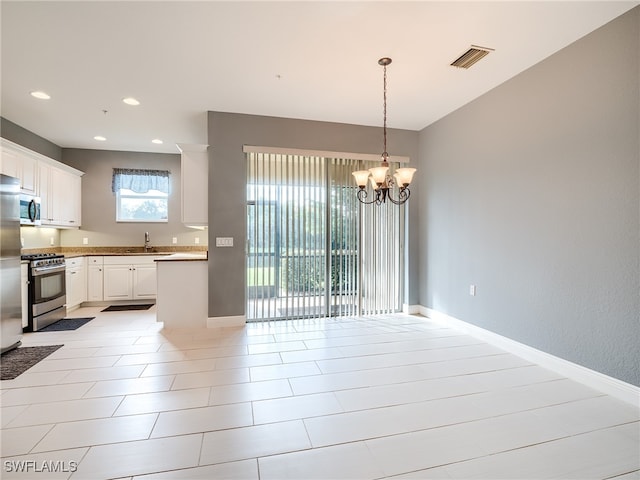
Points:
(184, 257)
(113, 254)
(70, 252)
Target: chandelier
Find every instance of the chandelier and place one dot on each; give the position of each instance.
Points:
(382, 182)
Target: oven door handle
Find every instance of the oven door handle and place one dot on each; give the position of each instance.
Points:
(38, 271)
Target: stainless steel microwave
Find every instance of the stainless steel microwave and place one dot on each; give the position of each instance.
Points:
(29, 210)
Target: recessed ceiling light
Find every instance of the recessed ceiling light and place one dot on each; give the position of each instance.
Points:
(41, 95)
(131, 101)
(157, 141)
(100, 138)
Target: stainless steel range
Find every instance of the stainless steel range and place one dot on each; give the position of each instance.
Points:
(47, 289)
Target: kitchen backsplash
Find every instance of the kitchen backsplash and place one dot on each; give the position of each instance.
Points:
(44, 238)
(39, 237)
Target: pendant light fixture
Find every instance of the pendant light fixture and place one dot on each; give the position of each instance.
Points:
(382, 182)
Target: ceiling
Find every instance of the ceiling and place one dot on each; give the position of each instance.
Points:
(306, 60)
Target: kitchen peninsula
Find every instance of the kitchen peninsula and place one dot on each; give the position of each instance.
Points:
(182, 299)
(104, 275)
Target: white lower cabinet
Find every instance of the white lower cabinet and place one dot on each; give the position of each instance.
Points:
(76, 282)
(95, 279)
(145, 284)
(118, 281)
(131, 277)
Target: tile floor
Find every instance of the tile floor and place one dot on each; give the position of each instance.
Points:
(393, 396)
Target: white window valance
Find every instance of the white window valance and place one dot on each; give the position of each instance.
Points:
(140, 180)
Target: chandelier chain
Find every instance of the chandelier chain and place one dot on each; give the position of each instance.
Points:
(384, 112)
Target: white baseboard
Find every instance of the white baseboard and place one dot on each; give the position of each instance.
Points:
(410, 309)
(237, 321)
(596, 380)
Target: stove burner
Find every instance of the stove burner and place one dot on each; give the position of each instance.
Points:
(38, 256)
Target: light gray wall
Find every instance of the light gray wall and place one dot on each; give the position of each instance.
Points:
(531, 192)
(228, 133)
(27, 139)
(99, 206)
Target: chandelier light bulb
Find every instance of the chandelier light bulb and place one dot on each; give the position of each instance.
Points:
(362, 177)
(379, 174)
(404, 176)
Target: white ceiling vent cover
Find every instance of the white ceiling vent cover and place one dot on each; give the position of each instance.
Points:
(471, 56)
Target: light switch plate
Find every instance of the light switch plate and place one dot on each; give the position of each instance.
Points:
(224, 241)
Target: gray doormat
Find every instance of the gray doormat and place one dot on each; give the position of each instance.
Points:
(18, 360)
(66, 324)
(121, 308)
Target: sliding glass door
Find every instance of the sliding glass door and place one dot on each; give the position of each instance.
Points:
(312, 249)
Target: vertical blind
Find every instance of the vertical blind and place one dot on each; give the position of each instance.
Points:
(313, 250)
(382, 250)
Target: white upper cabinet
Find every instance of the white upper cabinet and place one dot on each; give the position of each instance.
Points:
(59, 186)
(17, 163)
(64, 198)
(194, 173)
(61, 195)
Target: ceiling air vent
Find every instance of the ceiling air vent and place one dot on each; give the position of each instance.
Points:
(471, 56)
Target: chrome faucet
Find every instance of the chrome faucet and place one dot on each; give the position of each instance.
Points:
(147, 239)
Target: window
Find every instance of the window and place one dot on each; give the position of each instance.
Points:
(141, 195)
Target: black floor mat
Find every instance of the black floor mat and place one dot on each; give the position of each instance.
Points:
(18, 360)
(122, 308)
(66, 324)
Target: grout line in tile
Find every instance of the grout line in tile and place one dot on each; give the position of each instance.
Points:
(360, 339)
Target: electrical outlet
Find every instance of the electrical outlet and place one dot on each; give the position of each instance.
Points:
(85, 241)
(51, 241)
(472, 290)
(197, 240)
(174, 240)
